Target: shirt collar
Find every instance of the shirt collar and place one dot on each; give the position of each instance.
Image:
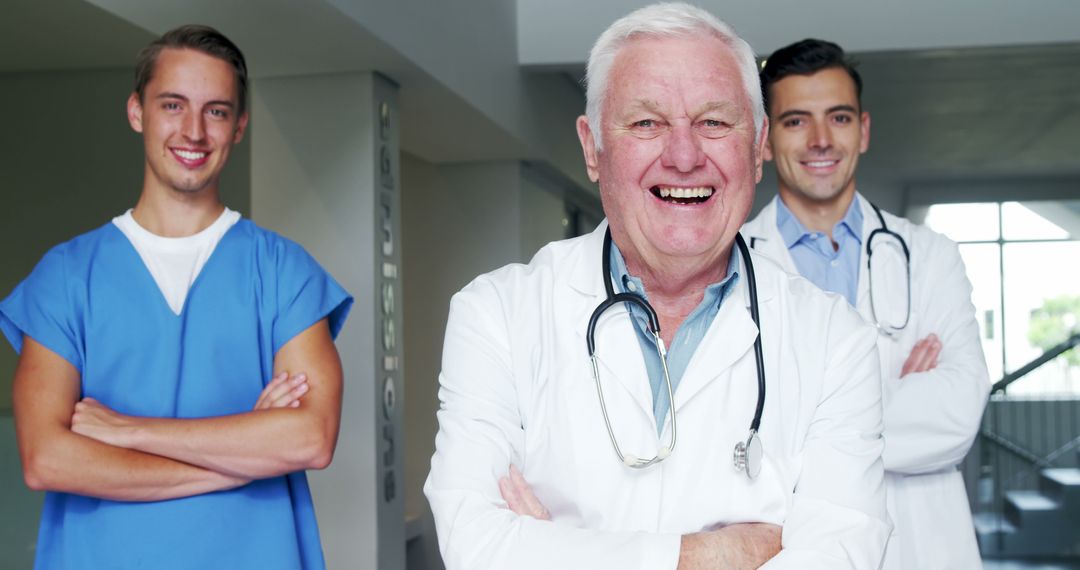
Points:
(714, 293)
(792, 230)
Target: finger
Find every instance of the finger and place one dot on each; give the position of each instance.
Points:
(525, 492)
(291, 396)
(926, 356)
(913, 358)
(932, 357)
(280, 390)
(274, 383)
(509, 494)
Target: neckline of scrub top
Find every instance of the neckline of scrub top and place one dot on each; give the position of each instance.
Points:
(162, 302)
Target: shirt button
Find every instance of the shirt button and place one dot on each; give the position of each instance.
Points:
(631, 286)
(835, 262)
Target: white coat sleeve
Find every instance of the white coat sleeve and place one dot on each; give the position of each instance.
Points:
(480, 435)
(838, 517)
(932, 418)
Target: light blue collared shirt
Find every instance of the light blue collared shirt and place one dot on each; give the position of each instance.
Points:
(835, 270)
(686, 339)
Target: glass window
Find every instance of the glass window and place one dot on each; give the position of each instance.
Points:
(965, 222)
(983, 264)
(1024, 221)
(1042, 305)
(1021, 259)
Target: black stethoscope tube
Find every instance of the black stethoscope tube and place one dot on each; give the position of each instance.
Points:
(654, 322)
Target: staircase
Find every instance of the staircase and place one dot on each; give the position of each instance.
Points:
(1035, 523)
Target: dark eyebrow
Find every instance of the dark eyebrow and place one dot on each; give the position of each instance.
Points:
(793, 113)
(171, 95)
(840, 108)
(829, 111)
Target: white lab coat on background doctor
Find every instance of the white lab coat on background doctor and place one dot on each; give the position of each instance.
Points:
(516, 387)
(931, 418)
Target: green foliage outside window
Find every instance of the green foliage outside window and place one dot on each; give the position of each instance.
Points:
(1052, 323)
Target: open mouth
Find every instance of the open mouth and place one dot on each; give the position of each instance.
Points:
(821, 163)
(678, 195)
(190, 158)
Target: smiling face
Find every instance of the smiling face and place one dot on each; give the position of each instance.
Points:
(817, 135)
(679, 164)
(188, 118)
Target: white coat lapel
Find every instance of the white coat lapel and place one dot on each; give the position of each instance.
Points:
(620, 360)
(889, 275)
(730, 337)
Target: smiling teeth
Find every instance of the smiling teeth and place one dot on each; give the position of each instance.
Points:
(701, 192)
(189, 155)
(820, 163)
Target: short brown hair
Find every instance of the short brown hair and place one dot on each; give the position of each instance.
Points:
(200, 38)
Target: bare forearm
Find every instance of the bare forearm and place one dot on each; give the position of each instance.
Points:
(71, 463)
(254, 445)
(734, 547)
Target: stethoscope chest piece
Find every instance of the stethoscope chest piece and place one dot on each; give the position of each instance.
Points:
(749, 455)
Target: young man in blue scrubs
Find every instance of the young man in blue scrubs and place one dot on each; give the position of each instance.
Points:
(177, 372)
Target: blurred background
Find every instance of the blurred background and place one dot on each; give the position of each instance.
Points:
(412, 145)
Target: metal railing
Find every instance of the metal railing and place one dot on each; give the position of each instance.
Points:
(1036, 435)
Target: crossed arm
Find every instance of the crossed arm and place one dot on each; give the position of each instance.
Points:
(932, 418)
(84, 447)
(736, 546)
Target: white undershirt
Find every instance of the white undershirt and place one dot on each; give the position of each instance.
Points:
(175, 263)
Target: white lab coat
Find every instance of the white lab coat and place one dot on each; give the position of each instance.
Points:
(931, 418)
(516, 387)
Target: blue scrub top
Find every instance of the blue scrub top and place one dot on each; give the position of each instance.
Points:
(93, 302)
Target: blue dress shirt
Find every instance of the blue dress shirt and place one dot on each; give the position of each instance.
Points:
(686, 339)
(835, 270)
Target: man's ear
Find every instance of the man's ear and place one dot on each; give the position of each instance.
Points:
(241, 127)
(864, 125)
(134, 112)
(588, 147)
(764, 148)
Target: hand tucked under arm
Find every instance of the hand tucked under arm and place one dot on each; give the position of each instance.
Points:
(283, 391)
(737, 546)
(54, 458)
(266, 442)
(923, 357)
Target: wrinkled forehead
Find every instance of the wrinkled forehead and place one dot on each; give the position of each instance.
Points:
(686, 71)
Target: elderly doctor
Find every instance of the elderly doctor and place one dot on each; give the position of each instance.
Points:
(935, 378)
(673, 135)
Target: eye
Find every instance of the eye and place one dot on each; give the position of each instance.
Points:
(170, 106)
(843, 119)
(645, 124)
(793, 122)
(219, 113)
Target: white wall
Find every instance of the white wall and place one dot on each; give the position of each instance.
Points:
(313, 180)
(459, 221)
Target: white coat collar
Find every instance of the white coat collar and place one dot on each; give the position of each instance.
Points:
(763, 236)
(731, 334)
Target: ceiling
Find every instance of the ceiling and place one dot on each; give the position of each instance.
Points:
(1008, 107)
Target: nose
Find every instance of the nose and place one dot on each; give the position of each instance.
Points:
(820, 136)
(194, 129)
(682, 150)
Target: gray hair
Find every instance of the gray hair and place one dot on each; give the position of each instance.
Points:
(666, 19)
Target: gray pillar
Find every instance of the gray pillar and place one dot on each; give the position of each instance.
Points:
(325, 172)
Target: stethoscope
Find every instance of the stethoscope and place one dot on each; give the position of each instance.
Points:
(884, 230)
(748, 454)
